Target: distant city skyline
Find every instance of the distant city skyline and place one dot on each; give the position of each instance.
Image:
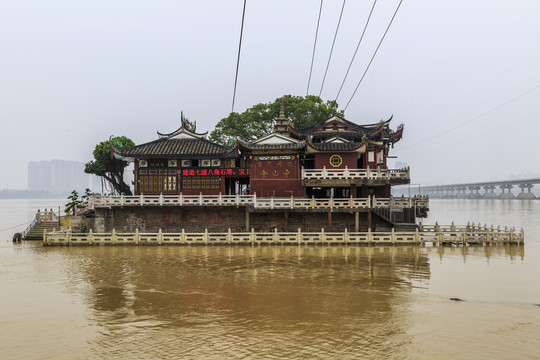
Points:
(60, 176)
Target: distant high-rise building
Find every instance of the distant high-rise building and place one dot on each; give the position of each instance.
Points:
(34, 175)
(60, 176)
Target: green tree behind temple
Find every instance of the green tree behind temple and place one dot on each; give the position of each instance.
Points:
(257, 121)
(108, 167)
(74, 203)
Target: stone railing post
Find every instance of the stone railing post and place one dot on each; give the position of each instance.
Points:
(141, 199)
(205, 236)
(160, 237)
(229, 236)
(183, 236)
(299, 236)
(90, 237)
(255, 200)
(113, 237)
(137, 236)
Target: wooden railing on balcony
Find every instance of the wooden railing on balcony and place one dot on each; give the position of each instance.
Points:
(428, 234)
(98, 201)
(368, 174)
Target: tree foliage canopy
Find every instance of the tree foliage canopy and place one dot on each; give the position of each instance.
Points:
(108, 167)
(257, 121)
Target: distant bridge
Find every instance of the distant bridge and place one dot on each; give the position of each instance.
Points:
(477, 190)
(482, 190)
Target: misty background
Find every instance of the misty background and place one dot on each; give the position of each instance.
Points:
(463, 76)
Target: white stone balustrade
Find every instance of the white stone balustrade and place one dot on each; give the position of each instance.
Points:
(426, 234)
(354, 174)
(98, 201)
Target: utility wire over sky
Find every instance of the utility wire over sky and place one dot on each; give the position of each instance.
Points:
(238, 59)
(332, 49)
(314, 46)
(474, 118)
(366, 69)
(356, 50)
(373, 57)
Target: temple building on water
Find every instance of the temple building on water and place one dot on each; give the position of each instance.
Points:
(332, 175)
(287, 162)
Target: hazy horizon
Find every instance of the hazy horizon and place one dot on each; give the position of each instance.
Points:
(462, 76)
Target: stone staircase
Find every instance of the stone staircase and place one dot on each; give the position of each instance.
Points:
(399, 226)
(36, 233)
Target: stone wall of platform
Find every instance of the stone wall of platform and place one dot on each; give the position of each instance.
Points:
(221, 219)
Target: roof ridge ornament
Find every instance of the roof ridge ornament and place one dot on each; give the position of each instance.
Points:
(187, 124)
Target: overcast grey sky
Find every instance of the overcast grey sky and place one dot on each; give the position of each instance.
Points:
(462, 75)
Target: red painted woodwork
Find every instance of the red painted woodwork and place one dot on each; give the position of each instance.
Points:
(323, 160)
(275, 169)
(277, 188)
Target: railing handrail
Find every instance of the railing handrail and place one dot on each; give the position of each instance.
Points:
(441, 236)
(29, 228)
(346, 173)
(256, 201)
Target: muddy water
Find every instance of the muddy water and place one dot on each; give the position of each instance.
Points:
(274, 302)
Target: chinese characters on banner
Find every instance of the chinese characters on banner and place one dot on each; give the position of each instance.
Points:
(214, 172)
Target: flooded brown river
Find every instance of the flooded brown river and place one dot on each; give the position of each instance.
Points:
(283, 302)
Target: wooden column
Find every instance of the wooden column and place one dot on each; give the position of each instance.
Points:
(329, 221)
(356, 221)
(353, 191)
(247, 219)
(286, 218)
(369, 219)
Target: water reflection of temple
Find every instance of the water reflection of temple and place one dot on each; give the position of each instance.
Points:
(512, 252)
(227, 297)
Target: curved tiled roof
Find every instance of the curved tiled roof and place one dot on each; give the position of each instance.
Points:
(336, 146)
(175, 147)
(283, 146)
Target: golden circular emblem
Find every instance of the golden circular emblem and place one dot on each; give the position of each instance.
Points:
(335, 160)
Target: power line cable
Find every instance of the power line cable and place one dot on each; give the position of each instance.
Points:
(332, 49)
(373, 57)
(476, 117)
(238, 59)
(432, 150)
(355, 51)
(314, 46)
(12, 227)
